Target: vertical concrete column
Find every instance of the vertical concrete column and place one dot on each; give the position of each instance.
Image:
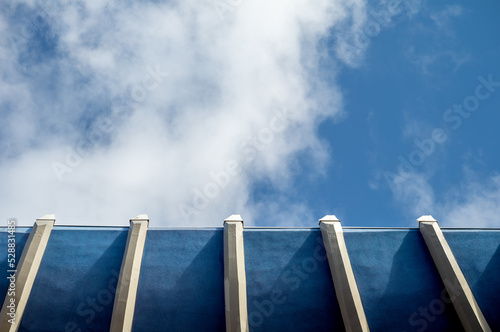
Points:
(26, 271)
(126, 290)
(458, 289)
(344, 282)
(235, 284)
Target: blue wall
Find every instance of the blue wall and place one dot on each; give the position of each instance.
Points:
(478, 254)
(76, 282)
(181, 287)
(75, 285)
(21, 235)
(289, 285)
(398, 282)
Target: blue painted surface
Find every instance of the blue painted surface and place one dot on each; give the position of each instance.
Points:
(75, 286)
(478, 255)
(398, 283)
(21, 235)
(289, 285)
(181, 287)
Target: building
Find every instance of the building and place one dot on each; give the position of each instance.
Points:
(80, 278)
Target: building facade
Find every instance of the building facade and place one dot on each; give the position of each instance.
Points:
(327, 278)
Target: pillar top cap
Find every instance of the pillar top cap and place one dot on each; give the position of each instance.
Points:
(141, 217)
(329, 218)
(426, 218)
(47, 217)
(233, 218)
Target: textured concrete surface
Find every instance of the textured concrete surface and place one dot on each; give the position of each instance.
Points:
(126, 291)
(343, 278)
(235, 284)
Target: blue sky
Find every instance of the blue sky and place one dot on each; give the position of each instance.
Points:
(410, 75)
(282, 112)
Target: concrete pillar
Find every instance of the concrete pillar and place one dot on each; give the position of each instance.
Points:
(235, 284)
(458, 289)
(126, 290)
(26, 271)
(344, 282)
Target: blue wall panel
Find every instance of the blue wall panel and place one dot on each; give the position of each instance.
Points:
(478, 254)
(181, 287)
(75, 286)
(289, 284)
(400, 288)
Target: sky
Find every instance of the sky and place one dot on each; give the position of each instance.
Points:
(283, 112)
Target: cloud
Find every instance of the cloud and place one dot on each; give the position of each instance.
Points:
(413, 192)
(471, 203)
(476, 205)
(430, 62)
(442, 18)
(444, 51)
(353, 40)
(112, 109)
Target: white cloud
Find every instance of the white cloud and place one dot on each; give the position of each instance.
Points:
(429, 61)
(442, 18)
(354, 39)
(228, 81)
(476, 205)
(444, 52)
(413, 192)
(471, 203)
